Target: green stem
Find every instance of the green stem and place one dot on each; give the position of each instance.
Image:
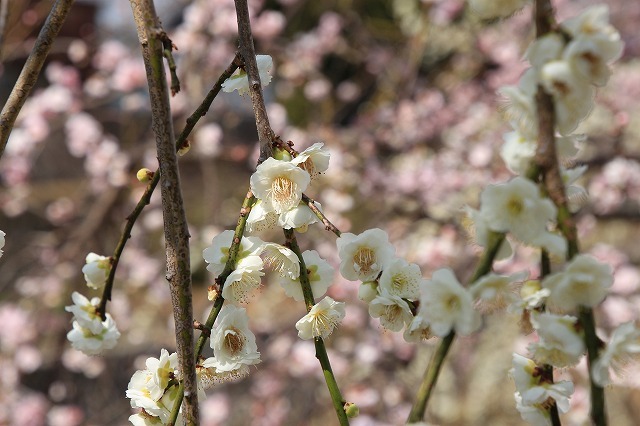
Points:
(321, 351)
(430, 379)
(598, 409)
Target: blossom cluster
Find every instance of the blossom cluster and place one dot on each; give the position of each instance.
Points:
(394, 288)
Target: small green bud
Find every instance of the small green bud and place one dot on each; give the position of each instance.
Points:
(144, 175)
(281, 154)
(351, 409)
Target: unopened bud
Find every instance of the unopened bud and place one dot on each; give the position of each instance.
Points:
(186, 146)
(281, 154)
(351, 409)
(144, 175)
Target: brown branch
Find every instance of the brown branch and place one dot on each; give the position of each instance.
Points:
(4, 17)
(248, 52)
(175, 222)
(327, 224)
(31, 69)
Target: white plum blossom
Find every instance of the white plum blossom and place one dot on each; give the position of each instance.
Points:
(623, 344)
(85, 312)
(144, 419)
(96, 270)
(281, 260)
(447, 306)
(496, 291)
(320, 275)
(243, 280)
(162, 371)
(239, 80)
(2, 235)
(260, 219)
(298, 218)
(519, 106)
(573, 96)
(233, 344)
(402, 279)
(364, 256)
(517, 207)
(140, 395)
(491, 9)
(92, 342)
(559, 342)
(533, 391)
(545, 49)
(314, 160)
(217, 254)
(595, 44)
(517, 152)
(393, 311)
(321, 320)
(418, 330)
(532, 296)
(584, 282)
(279, 184)
(576, 194)
(482, 233)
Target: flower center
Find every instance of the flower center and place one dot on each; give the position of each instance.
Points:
(365, 260)
(234, 340)
(283, 189)
(515, 206)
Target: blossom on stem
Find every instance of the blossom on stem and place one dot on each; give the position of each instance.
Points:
(217, 254)
(162, 370)
(495, 292)
(279, 184)
(535, 393)
(402, 279)
(239, 80)
(560, 344)
(282, 260)
(93, 342)
(364, 256)
(298, 218)
(96, 270)
(85, 312)
(314, 160)
(479, 229)
(243, 280)
(260, 219)
(517, 207)
(320, 275)
(447, 306)
(584, 282)
(623, 344)
(321, 320)
(233, 344)
(393, 311)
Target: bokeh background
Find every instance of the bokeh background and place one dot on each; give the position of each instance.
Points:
(402, 92)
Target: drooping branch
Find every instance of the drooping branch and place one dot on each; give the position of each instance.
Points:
(31, 69)
(248, 52)
(175, 222)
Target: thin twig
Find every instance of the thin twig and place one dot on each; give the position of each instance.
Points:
(327, 224)
(146, 196)
(31, 69)
(4, 17)
(321, 350)
(175, 222)
(248, 52)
